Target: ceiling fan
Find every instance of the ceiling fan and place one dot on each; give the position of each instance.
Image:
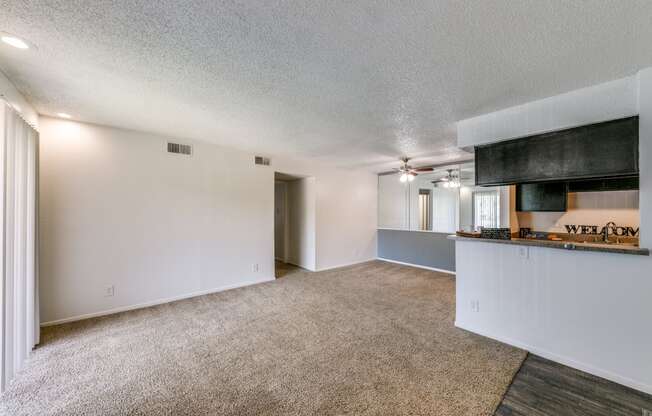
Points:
(450, 180)
(408, 173)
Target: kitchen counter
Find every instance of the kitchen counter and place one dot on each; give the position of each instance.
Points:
(563, 245)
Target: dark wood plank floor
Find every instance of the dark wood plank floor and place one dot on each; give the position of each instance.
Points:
(284, 269)
(545, 388)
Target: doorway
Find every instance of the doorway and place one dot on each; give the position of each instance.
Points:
(294, 224)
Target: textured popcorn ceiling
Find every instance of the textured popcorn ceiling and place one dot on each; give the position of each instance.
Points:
(354, 83)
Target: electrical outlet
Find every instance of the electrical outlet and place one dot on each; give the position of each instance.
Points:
(647, 412)
(475, 305)
(109, 291)
(255, 268)
(524, 252)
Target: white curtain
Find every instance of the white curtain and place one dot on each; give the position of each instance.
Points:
(19, 315)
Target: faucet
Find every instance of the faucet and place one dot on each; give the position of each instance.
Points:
(605, 231)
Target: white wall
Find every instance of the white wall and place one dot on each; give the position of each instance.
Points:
(445, 210)
(587, 310)
(608, 101)
(645, 154)
(346, 215)
(346, 211)
(9, 92)
(393, 202)
(301, 217)
(116, 209)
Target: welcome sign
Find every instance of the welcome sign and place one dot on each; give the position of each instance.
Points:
(593, 230)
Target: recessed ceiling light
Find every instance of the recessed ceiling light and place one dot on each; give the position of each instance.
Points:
(14, 41)
(64, 115)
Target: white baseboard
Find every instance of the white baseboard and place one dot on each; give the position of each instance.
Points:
(578, 365)
(416, 265)
(298, 265)
(153, 303)
(345, 265)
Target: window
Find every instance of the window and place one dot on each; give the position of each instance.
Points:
(486, 209)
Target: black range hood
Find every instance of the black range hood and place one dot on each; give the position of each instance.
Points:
(545, 167)
(591, 152)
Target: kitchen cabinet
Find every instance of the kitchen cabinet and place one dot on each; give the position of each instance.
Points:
(542, 197)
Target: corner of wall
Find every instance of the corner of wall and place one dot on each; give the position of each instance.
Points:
(644, 79)
(10, 93)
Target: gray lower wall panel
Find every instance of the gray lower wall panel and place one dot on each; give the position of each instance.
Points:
(422, 248)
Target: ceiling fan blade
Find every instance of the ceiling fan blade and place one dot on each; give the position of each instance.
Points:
(423, 169)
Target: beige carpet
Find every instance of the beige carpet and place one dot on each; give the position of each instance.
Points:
(372, 339)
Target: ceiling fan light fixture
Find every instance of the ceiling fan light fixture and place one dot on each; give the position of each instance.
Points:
(14, 41)
(407, 173)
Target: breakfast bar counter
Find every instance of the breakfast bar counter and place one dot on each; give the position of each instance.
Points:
(563, 245)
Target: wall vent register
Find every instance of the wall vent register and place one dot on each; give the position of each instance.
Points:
(259, 160)
(181, 149)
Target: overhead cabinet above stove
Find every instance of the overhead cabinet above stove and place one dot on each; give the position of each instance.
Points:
(595, 151)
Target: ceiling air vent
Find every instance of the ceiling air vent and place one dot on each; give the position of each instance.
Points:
(181, 149)
(259, 160)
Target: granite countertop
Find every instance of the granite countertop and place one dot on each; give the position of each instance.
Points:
(564, 245)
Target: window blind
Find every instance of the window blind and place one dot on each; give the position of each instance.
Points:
(486, 210)
(19, 310)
